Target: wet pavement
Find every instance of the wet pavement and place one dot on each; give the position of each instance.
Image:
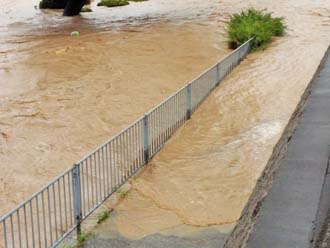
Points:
(206, 239)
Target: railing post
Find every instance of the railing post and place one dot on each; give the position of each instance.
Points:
(146, 138)
(76, 193)
(239, 56)
(188, 100)
(218, 75)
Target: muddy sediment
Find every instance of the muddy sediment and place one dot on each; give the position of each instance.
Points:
(54, 110)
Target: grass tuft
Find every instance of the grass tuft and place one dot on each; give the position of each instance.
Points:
(103, 216)
(254, 23)
(121, 193)
(83, 237)
(113, 3)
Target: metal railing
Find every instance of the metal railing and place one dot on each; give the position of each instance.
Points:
(51, 214)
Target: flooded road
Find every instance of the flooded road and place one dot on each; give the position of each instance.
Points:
(61, 96)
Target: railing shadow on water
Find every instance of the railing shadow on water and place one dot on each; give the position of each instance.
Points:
(51, 214)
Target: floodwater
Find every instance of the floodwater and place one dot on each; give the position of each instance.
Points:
(61, 96)
(205, 175)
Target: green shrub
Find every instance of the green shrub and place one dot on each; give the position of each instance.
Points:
(113, 3)
(254, 23)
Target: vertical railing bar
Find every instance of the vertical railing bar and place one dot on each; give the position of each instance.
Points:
(155, 118)
(44, 216)
(141, 145)
(154, 133)
(122, 157)
(38, 221)
(107, 169)
(115, 161)
(5, 233)
(87, 188)
(19, 228)
(76, 187)
(25, 227)
(103, 176)
(163, 124)
(177, 114)
(158, 129)
(83, 207)
(65, 205)
(124, 149)
(119, 160)
(32, 224)
(70, 196)
(137, 147)
(170, 105)
(112, 171)
(176, 111)
(129, 135)
(12, 231)
(166, 120)
(100, 174)
(91, 165)
(132, 145)
(128, 147)
(60, 205)
(55, 216)
(100, 177)
(173, 114)
(116, 164)
(50, 218)
(112, 174)
(146, 138)
(95, 174)
(150, 121)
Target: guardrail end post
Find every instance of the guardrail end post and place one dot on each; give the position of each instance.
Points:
(76, 194)
(146, 138)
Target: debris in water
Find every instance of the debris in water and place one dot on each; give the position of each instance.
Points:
(75, 33)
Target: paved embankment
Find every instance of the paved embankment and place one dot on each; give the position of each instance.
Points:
(292, 213)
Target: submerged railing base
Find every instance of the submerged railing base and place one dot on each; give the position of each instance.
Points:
(52, 213)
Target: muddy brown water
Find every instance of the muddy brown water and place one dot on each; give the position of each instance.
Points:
(61, 96)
